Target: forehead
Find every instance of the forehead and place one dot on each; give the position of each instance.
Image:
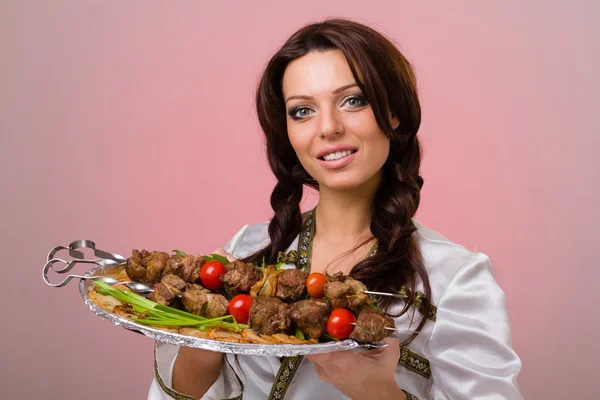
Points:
(316, 72)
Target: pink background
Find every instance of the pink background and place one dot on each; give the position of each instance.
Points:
(133, 125)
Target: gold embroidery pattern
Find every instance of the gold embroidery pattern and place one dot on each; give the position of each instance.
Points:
(284, 377)
(289, 365)
(410, 396)
(419, 300)
(305, 242)
(290, 257)
(373, 249)
(414, 362)
(174, 394)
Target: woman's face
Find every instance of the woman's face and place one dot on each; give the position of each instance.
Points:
(330, 125)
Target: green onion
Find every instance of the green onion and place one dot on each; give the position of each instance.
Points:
(299, 334)
(158, 314)
(325, 337)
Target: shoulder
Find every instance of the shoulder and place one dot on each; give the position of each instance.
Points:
(248, 239)
(251, 238)
(444, 259)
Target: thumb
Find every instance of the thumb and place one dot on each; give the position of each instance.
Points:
(222, 252)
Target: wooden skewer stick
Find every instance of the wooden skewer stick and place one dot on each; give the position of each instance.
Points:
(399, 296)
(391, 329)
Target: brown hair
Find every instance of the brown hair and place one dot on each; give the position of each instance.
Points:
(386, 79)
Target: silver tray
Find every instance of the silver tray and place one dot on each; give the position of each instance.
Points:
(278, 350)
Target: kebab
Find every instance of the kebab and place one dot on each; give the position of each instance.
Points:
(267, 310)
(176, 277)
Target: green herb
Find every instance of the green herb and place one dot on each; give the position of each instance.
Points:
(216, 257)
(375, 301)
(224, 293)
(279, 266)
(326, 338)
(158, 314)
(299, 334)
(180, 253)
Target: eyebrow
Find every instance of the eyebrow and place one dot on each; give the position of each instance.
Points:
(336, 91)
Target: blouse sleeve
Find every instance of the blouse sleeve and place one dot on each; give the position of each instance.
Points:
(227, 385)
(470, 350)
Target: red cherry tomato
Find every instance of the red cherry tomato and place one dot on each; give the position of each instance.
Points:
(315, 284)
(210, 275)
(340, 323)
(239, 307)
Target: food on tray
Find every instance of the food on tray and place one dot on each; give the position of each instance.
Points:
(371, 326)
(345, 292)
(269, 315)
(240, 277)
(200, 301)
(310, 316)
(210, 297)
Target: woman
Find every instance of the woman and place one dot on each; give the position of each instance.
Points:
(339, 108)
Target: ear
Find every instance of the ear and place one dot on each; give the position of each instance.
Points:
(394, 121)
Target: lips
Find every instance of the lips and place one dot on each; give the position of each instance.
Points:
(339, 163)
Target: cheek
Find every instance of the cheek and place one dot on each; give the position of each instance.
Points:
(379, 147)
(300, 142)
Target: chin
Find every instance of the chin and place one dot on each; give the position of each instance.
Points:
(343, 184)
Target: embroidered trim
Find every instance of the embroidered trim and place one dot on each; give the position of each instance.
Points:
(409, 396)
(419, 303)
(290, 257)
(373, 249)
(305, 242)
(414, 362)
(302, 258)
(175, 394)
(284, 377)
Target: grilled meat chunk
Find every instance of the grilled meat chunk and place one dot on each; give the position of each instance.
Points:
(337, 277)
(310, 316)
(134, 268)
(347, 294)
(146, 267)
(173, 265)
(291, 285)
(200, 301)
(169, 287)
(189, 268)
(370, 326)
(240, 276)
(269, 315)
(155, 264)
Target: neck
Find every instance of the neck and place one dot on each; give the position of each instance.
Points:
(345, 215)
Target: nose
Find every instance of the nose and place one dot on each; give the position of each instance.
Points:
(330, 124)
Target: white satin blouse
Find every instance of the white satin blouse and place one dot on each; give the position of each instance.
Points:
(463, 352)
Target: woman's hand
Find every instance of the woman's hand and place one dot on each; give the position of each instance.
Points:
(223, 253)
(362, 375)
(195, 370)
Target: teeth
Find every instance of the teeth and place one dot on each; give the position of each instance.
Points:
(337, 155)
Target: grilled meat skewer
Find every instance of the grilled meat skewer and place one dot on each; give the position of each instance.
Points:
(310, 316)
(371, 326)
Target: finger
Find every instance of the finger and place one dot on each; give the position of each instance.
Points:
(393, 347)
(222, 252)
(318, 358)
(392, 341)
(320, 370)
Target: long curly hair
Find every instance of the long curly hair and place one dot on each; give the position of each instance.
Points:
(387, 80)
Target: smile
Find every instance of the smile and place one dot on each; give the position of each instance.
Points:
(338, 159)
(337, 155)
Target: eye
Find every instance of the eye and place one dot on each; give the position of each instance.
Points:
(355, 101)
(299, 113)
